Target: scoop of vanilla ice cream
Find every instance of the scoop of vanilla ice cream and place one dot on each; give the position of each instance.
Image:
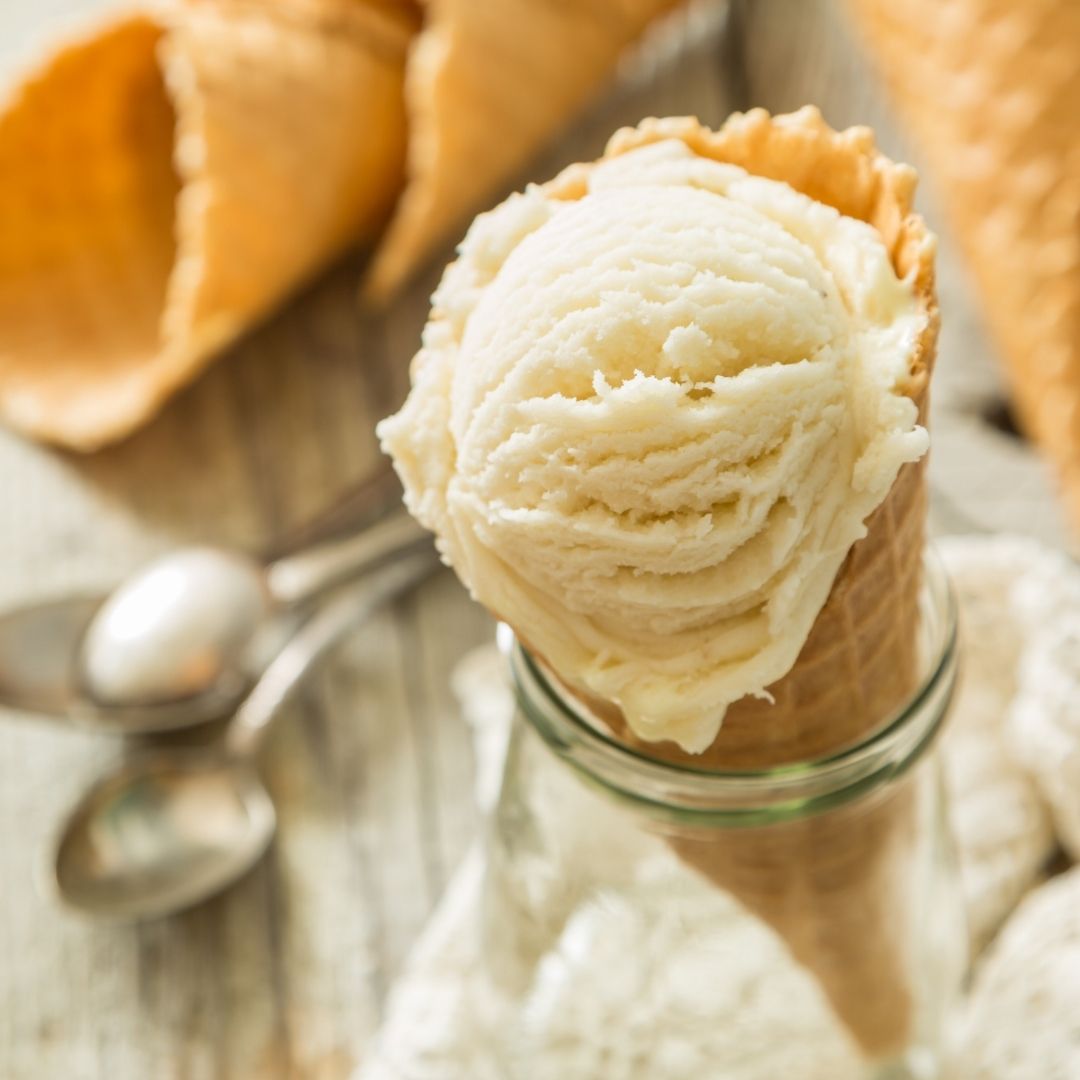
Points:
(647, 425)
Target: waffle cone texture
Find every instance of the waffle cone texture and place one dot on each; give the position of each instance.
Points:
(488, 83)
(168, 179)
(831, 884)
(991, 91)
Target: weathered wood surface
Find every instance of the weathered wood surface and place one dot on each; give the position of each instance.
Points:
(284, 976)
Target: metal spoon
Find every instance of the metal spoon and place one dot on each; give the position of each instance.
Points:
(172, 646)
(168, 830)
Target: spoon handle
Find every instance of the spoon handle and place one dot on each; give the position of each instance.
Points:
(296, 578)
(352, 605)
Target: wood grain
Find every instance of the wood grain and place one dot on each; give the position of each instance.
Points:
(284, 976)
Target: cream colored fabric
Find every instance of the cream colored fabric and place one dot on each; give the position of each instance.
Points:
(1000, 822)
(1020, 1023)
(1045, 722)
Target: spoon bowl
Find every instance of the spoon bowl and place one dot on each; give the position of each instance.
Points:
(174, 630)
(162, 834)
(39, 649)
(188, 624)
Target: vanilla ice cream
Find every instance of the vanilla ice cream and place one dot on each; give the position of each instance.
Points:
(647, 424)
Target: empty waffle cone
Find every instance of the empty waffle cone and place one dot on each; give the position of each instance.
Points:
(488, 83)
(991, 90)
(167, 179)
(830, 884)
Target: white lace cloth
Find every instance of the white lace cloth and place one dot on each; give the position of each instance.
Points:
(1044, 724)
(1023, 1018)
(601, 982)
(999, 820)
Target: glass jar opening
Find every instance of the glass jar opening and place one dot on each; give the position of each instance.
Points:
(751, 796)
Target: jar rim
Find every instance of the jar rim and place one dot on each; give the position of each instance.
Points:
(750, 796)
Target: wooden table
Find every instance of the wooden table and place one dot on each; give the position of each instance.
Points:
(284, 976)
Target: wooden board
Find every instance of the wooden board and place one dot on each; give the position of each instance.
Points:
(284, 976)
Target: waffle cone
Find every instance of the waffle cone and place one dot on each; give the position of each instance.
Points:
(991, 91)
(487, 85)
(830, 884)
(167, 179)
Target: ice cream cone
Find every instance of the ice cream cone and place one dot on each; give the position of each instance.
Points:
(487, 84)
(991, 90)
(829, 884)
(167, 179)
(605, 434)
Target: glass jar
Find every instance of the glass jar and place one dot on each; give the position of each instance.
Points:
(648, 920)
